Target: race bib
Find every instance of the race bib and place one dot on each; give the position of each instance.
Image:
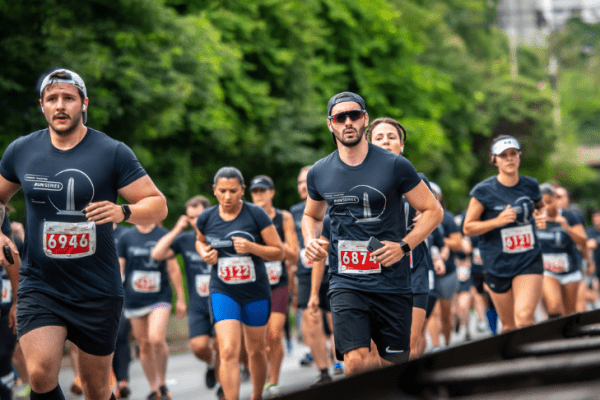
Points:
(146, 281)
(274, 270)
(306, 263)
(477, 260)
(69, 239)
(234, 270)
(431, 279)
(558, 263)
(463, 273)
(202, 285)
(354, 258)
(6, 291)
(517, 239)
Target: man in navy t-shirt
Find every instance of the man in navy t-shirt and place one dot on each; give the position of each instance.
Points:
(70, 284)
(363, 184)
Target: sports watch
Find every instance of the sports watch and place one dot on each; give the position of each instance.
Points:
(405, 247)
(126, 211)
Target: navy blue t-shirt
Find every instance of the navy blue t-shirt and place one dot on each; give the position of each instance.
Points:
(118, 232)
(419, 258)
(508, 250)
(242, 277)
(278, 276)
(146, 279)
(450, 227)
(65, 255)
(304, 266)
(197, 272)
(364, 200)
(559, 251)
(6, 300)
(476, 261)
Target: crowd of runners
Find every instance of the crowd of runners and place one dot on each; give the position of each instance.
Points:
(370, 258)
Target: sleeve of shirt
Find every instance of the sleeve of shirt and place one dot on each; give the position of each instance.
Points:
(176, 245)
(326, 227)
(6, 229)
(128, 168)
(479, 193)
(572, 218)
(261, 217)
(202, 218)
(7, 164)
(536, 195)
(312, 185)
(406, 175)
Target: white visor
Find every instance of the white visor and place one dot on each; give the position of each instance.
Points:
(504, 144)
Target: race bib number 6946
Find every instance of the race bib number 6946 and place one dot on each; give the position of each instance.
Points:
(69, 240)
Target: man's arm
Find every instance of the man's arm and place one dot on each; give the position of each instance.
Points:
(147, 204)
(316, 277)
(162, 250)
(7, 190)
(175, 277)
(312, 226)
(422, 200)
(290, 238)
(12, 270)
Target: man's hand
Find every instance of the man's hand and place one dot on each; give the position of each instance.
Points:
(104, 212)
(313, 307)
(507, 216)
(209, 255)
(5, 241)
(315, 250)
(389, 254)
(242, 245)
(182, 223)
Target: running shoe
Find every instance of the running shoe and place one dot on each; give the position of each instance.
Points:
(76, 386)
(220, 393)
(153, 396)
(324, 379)
(307, 360)
(23, 391)
(338, 369)
(482, 326)
(210, 378)
(123, 390)
(164, 393)
(244, 374)
(270, 390)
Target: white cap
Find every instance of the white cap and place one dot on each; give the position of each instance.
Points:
(73, 79)
(504, 144)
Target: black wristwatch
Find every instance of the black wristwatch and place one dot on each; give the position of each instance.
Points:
(126, 211)
(405, 247)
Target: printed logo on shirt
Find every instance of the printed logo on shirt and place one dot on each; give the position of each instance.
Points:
(228, 243)
(146, 252)
(69, 191)
(364, 203)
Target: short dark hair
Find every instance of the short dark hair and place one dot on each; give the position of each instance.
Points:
(229, 173)
(196, 201)
(386, 120)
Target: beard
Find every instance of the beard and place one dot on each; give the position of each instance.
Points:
(74, 124)
(339, 136)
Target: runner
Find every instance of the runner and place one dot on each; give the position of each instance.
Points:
(148, 301)
(559, 241)
(9, 278)
(391, 135)
(122, 356)
(263, 191)
(180, 241)
(71, 176)
(311, 326)
(501, 212)
(236, 237)
(363, 185)
(593, 233)
(464, 297)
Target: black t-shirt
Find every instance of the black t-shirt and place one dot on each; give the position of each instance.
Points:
(242, 277)
(197, 272)
(65, 255)
(508, 250)
(364, 200)
(559, 251)
(146, 279)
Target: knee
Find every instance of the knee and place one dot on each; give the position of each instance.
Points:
(229, 353)
(275, 336)
(39, 378)
(157, 340)
(354, 364)
(523, 318)
(201, 349)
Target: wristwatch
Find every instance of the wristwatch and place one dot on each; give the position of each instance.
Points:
(126, 211)
(405, 247)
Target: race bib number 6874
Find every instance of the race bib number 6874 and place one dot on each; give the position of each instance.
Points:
(354, 258)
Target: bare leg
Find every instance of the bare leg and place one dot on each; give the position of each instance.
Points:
(157, 336)
(446, 317)
(569, 295)
(418, 321)
(229, 334)
(95, 374)
(201, 348)
(314, 337)
(527, 290)
(139, 328)
(435, 325)
(256, 344)
(505, 308)
(43, 350)
(356, 361)
(275, 344)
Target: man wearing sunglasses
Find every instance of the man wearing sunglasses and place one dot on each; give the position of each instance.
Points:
(370, 291)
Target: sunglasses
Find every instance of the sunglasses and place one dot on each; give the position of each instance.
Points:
(340, 118)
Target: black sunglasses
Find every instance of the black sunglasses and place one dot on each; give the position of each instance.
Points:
(340, 118)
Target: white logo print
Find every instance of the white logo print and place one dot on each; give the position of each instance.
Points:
(372, 207)
(388, 350)
(72, 201)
